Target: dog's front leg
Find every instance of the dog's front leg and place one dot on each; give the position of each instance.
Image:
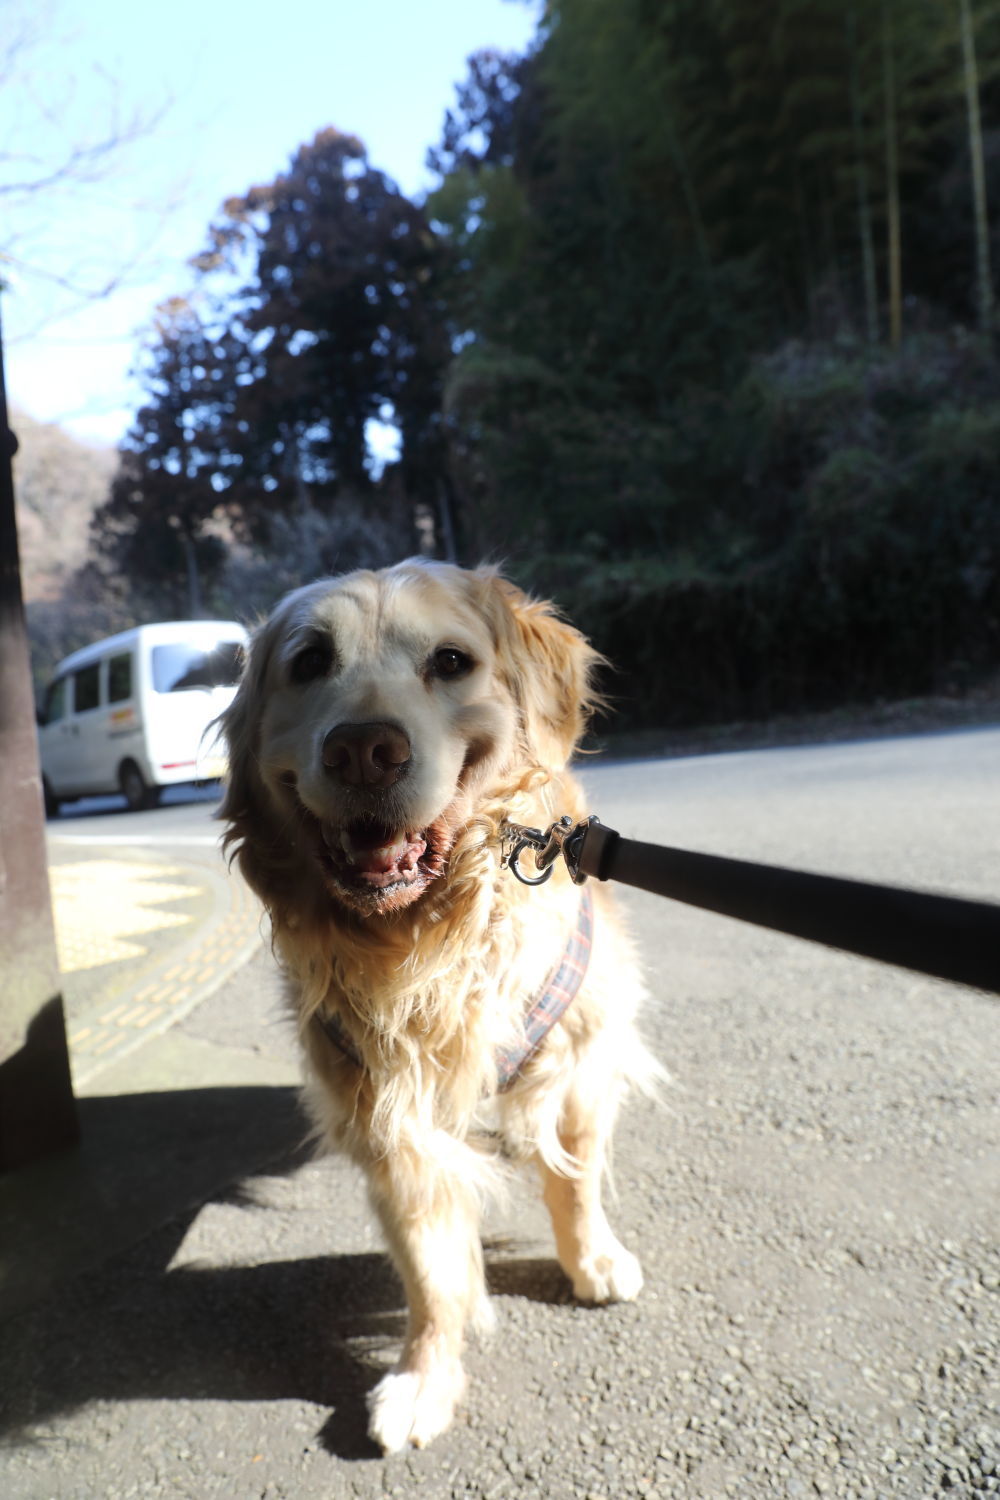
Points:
(596, 1262)
(430, 1218)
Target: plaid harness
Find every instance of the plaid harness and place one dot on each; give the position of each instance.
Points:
(560, 989)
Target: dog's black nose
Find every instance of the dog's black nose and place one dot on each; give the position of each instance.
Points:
(368, 755)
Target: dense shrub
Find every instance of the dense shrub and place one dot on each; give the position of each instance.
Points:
(832, 534)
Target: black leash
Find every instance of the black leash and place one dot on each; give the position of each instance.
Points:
(944, 936)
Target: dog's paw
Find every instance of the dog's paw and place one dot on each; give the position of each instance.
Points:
(483, 1320)
(613, 1276)
(407, 1407)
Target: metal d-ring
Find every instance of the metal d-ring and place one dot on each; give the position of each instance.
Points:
(513, 867)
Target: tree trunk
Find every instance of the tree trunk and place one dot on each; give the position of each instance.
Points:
(689, 194)
(892, 178)
(861, 177)
(446, 521)
(196, 608)
(984, 279)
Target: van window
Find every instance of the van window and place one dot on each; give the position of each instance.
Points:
(120, 678)
(180, 666)
(55, 701)
(87, 688)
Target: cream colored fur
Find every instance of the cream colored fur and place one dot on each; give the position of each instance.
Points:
(431, 983)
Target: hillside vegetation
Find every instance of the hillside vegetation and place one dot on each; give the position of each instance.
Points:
(59, 484)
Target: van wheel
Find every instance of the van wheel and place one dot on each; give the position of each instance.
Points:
(51, 800)
(134, 789)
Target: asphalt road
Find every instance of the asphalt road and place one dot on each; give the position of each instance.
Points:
(816, 1208)
(182, 819)
(913, 811)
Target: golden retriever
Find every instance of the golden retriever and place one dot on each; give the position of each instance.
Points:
(386, 725)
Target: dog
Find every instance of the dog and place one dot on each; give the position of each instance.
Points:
(386, 725)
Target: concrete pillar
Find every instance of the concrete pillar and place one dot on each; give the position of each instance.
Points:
(37, 1110)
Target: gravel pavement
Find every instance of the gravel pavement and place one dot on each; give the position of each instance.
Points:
(815, 1206)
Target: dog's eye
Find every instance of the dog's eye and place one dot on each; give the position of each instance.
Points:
(449, 662)
(309, 663)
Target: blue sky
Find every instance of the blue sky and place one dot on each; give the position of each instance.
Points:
(228, 91)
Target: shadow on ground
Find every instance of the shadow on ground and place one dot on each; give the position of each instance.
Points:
(93, 1312)
(142, 1159)
(136, 1331)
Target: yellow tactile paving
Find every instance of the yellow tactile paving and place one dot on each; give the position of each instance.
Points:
(102, 906)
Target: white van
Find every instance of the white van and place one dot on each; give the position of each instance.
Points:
(130, 713)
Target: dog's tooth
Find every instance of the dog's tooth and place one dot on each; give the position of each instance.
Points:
(347, 846)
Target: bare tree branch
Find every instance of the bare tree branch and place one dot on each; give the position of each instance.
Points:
(39, 170)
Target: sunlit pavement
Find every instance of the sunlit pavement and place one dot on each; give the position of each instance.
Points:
(143, 932)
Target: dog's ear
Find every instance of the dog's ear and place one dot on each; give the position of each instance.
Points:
(243, 805)
(547, 664)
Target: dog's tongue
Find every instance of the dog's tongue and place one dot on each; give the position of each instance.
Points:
(373, 850)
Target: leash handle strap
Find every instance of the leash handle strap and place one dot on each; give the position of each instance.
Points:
(944, 936)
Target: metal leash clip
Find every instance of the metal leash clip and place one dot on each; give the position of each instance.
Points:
(563, 837)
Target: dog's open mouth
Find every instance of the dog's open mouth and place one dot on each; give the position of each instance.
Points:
(375, 854)
(375, 865)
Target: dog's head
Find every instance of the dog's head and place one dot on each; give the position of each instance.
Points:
(377, 710)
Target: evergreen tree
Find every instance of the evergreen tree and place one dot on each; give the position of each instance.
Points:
(335, 321)
(156, 523)
(320, 314)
